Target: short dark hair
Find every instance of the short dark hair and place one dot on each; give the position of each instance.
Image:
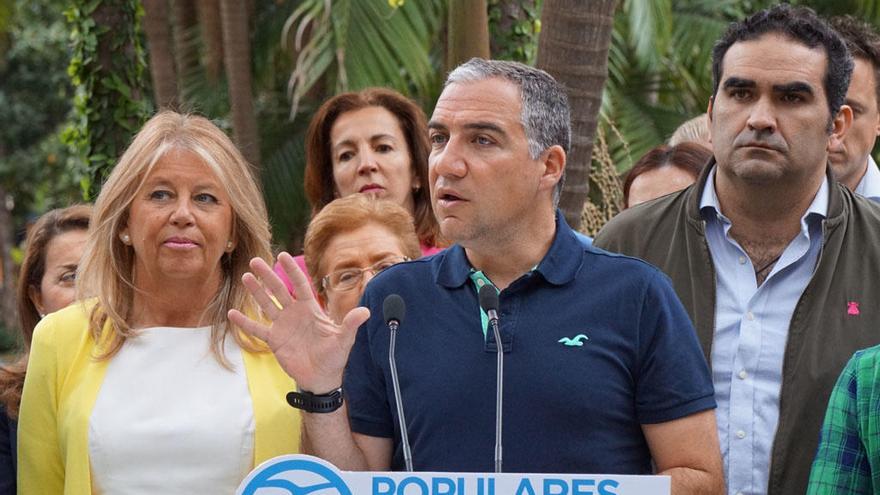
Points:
(688, 156)
(801, 24)
(862, 41)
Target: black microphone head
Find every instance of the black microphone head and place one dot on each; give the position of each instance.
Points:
(393, 309)
(488, 298)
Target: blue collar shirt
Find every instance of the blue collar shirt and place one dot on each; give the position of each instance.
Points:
(869, 186)
(751, 330)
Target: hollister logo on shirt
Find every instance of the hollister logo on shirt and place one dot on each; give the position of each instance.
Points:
(577, 341)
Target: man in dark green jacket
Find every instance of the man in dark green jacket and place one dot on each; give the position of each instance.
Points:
(774, 261)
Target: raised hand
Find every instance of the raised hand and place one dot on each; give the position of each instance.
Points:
(310, 347)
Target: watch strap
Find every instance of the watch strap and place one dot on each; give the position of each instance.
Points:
(315, 403)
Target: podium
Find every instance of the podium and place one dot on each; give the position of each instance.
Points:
(307, 475)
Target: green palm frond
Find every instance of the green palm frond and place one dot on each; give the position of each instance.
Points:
(650, 28)
(358, 44)
(868, 10)
(693, 37)
(651, 91)
(283, 191)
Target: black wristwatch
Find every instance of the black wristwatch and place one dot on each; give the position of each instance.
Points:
(313, 403)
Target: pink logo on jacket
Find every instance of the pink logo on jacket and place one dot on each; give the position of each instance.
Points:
(852, 308)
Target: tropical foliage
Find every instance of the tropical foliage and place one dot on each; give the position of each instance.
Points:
(107, 69)
(35, 99)
(349, 44)
(34, 103)
(659, 68)
(301, 52)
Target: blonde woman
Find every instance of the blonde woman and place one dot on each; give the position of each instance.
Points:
(146, 388)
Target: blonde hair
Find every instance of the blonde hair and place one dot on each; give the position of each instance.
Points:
(350, 213)
(107, 268)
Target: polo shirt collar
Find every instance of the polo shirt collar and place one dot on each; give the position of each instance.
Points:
(559, 266)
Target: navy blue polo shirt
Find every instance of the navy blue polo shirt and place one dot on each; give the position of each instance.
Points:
(567, 407)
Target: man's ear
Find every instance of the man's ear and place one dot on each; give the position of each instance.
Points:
(877, 128)
(839, 126)
(553, 160)
(709, 115)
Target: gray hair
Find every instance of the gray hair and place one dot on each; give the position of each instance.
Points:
(545, 115)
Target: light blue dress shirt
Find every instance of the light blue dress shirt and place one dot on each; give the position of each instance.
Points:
(751, 329)
(587, 240)
(869, 186)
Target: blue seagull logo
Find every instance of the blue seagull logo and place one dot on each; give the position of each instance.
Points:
(578, 341)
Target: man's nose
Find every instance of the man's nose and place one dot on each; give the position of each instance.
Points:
(762, 116)
(450, 160)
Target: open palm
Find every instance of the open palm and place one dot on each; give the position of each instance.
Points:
(310, 347)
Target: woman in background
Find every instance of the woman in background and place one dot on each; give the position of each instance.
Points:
(664, 170)
(350, 241)
(53, 249)
(147, 388)
(373, 142)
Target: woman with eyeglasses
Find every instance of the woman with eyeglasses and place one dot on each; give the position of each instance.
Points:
(349, 242)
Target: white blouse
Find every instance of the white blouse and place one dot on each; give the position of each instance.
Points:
(170, 419)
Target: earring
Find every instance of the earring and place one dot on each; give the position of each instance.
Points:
(229, 246)
(125, 239)
(42, 315)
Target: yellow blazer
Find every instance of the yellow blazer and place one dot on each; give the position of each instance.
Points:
(60, 389)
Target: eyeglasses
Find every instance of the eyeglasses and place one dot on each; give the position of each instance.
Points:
(349, 278)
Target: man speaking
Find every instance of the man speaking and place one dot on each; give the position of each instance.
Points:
(602, 371)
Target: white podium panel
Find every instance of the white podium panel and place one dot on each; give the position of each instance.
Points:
(307, 475)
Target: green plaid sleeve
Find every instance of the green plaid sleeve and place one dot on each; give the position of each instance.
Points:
(842, 464)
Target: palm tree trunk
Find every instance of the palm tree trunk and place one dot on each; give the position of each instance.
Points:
(468, 32)
(185, 36)
(212, 37)
(511, 13)
(158, 31)
(573, 48)
(237, 58)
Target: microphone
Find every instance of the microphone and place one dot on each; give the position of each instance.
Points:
(488, 296)
(394, 309)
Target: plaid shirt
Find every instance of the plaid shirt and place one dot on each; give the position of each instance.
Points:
(848, 458)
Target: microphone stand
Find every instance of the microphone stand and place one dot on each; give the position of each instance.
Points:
(393, 325)
(493, 321)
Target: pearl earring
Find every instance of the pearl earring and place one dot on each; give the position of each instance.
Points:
(125, 239)
(229, 246)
